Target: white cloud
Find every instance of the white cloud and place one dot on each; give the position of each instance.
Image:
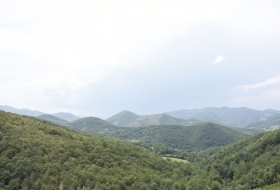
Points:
(267, 82)
(218, 60)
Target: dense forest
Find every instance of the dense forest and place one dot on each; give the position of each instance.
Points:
(196, 137)
(36, 154)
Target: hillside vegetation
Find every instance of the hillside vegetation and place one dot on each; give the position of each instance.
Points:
(197, 137)
(194, 137)
(269, 123)
(92, 124)
(248, 164)
(36, 154)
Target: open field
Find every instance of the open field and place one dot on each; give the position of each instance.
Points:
(176, 159)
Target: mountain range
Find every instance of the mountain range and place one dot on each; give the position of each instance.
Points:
(247, 120)
(62, 115)
(36, 154)
(232, 117)
(129, 119)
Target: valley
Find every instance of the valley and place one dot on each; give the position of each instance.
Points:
(161, 153)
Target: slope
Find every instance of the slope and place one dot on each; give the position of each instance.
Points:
(21, 111)
(52, 118)
(41, 155)
(233, 117)
(248, 164)
(160, 119)
(197, 137)
(123, 118)
(269, 123)
(66, 116)
(92, 124)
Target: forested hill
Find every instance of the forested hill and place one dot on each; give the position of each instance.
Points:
(92, 124)
(36, 154)
(248, 164)
(197, 137)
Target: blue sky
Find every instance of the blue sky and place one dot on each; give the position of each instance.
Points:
(101, 57)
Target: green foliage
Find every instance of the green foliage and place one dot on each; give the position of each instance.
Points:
(248, 164)
(197, 137)
(36, 154)
(266, 124)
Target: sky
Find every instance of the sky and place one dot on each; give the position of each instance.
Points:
(97, 58)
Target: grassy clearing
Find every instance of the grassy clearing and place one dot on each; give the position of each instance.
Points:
(176, 159)
(134, 141)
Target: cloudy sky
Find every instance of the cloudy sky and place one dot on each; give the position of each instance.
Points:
(101, 57)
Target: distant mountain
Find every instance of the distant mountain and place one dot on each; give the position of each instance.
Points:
(197, 137)
(66, 116)
(92, 124)
(27, 112)
(233, 117)
(129, 119)
(123, 118)
(34, 113)
(52, 118)
(266, 124)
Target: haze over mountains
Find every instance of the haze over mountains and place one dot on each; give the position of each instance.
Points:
(62, 115)
(260, 120)
(232, 117)
(36, 154)
(129, 119)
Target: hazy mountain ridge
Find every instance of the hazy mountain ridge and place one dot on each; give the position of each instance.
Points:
(268, 123)
(123, 118)
(24, 111)
(52, 118)
(66, 116)
(233, 117)
(129, 119)
(35, 113)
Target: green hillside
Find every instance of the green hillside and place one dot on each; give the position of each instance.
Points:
(52, 118)
(266, 124)
(36, 154)
(197, 137)
(248, 164)
(92, 124)
(123, 118)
